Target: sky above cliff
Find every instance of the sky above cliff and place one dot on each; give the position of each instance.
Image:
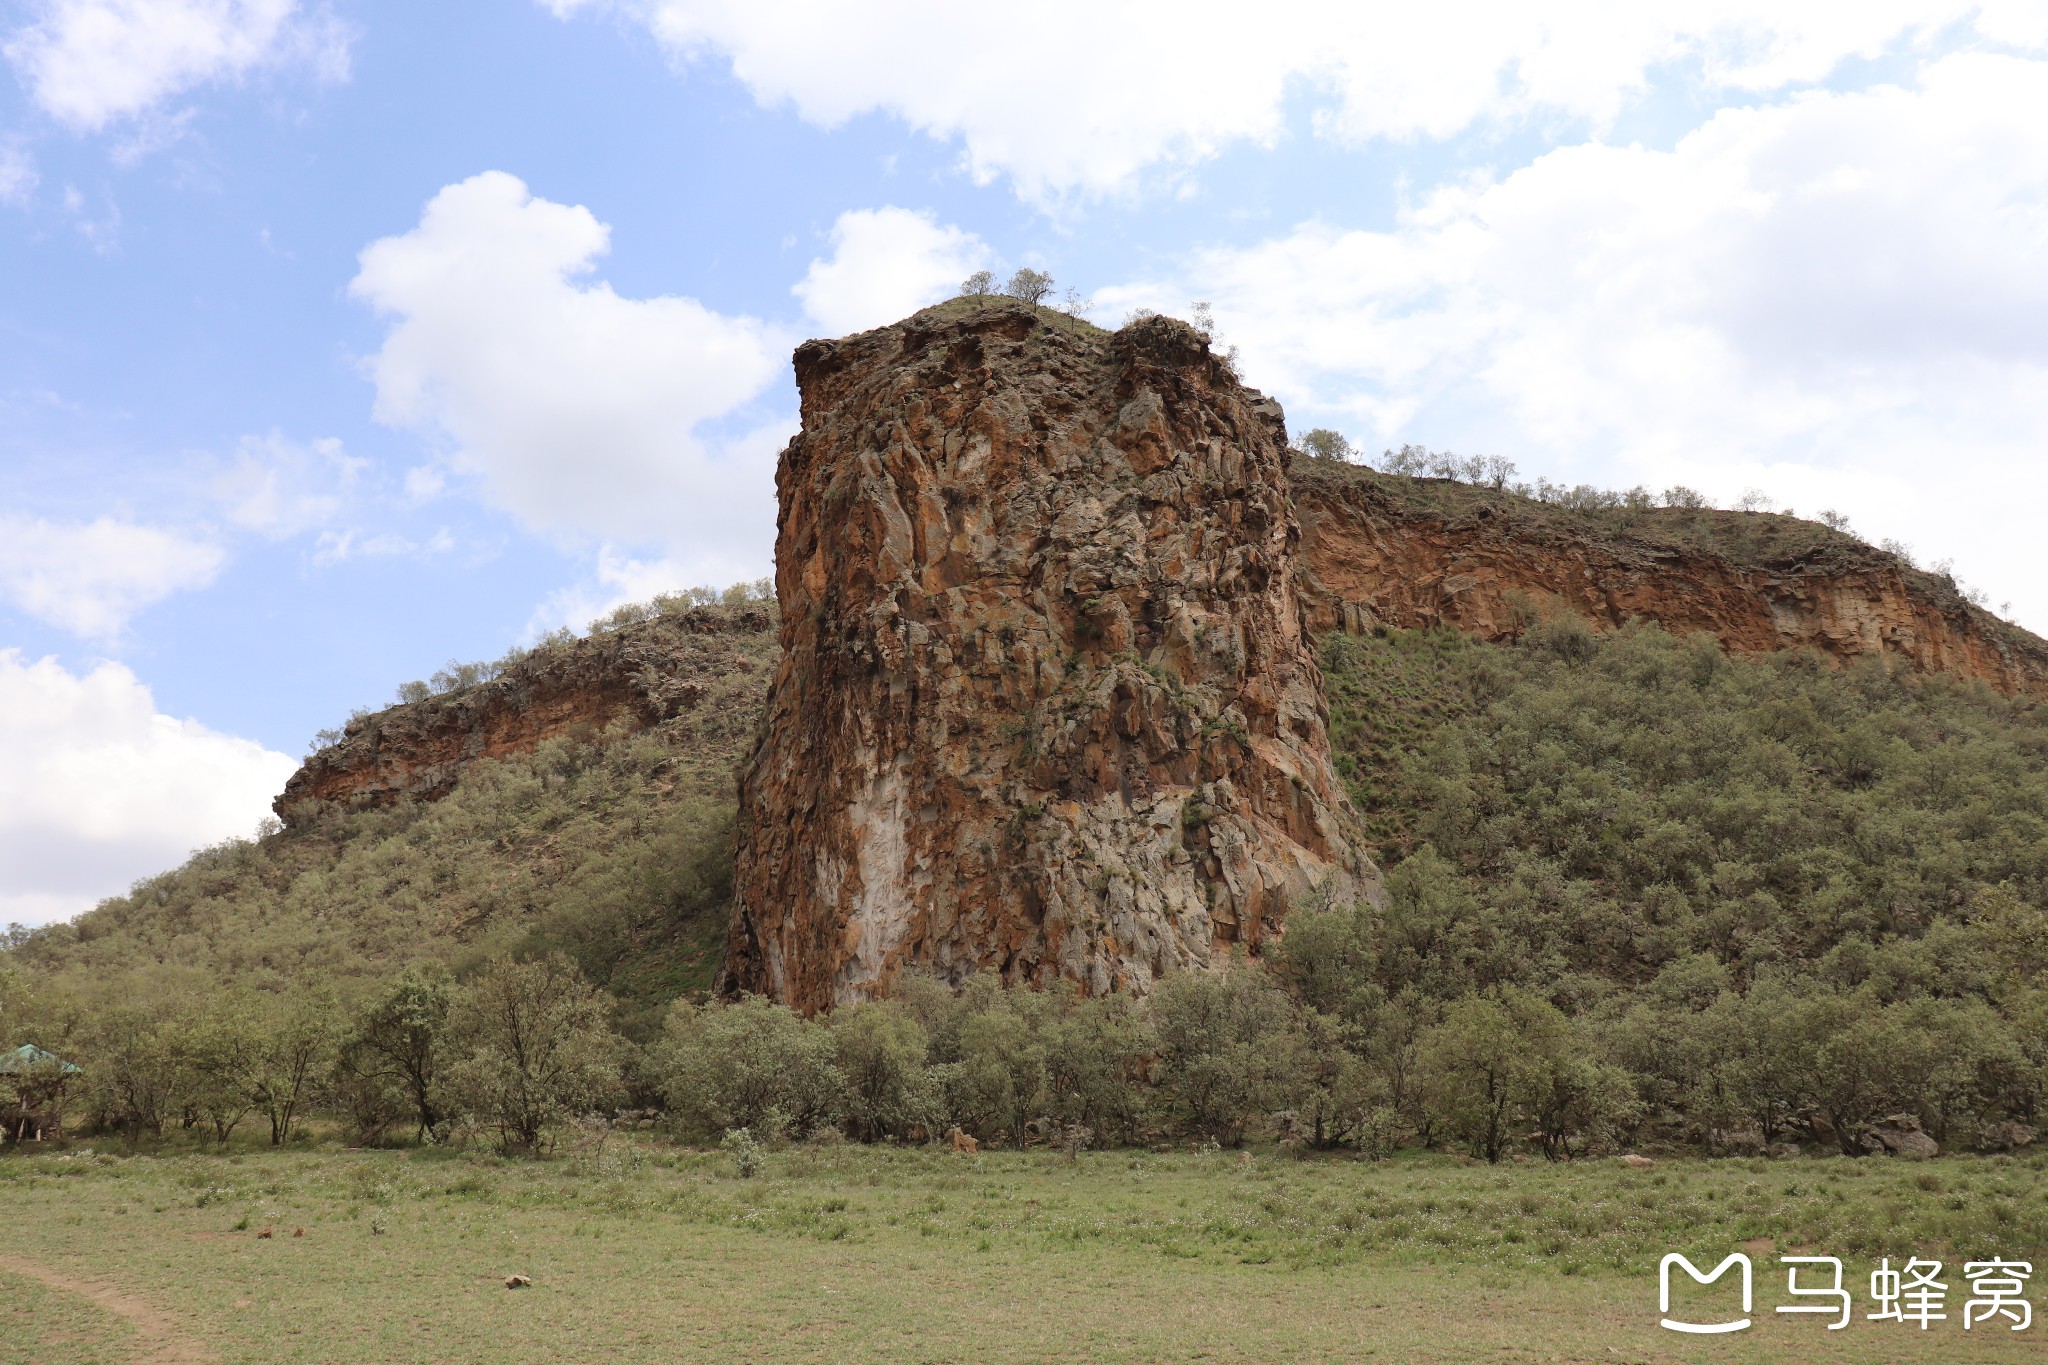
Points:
(338, 340)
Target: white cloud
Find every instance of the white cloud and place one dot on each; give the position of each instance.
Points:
(424, 483)
(886, 263)
(1842, 299)
(617, 579)
(279, 488)
(18, 177)
(102, 789)
(1085, 95)
(90, 577)
(336, 547)
(88, 63)
(580, 411)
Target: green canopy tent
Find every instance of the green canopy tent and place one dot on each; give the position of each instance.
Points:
(32, 1084)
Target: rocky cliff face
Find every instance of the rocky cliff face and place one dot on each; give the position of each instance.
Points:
(1046, 703)
(1423, 553)
(655, 672)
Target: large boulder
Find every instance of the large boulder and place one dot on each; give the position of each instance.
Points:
(1900, 1135)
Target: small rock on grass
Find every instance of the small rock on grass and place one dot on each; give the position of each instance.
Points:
(1638, 1162)
(519, 1282)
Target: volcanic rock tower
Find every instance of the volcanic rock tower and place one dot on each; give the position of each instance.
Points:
(1046, 704)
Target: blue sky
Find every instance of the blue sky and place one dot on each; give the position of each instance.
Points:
(340, 340)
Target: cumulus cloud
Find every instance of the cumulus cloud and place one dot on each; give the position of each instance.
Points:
(886, 263)
(279, 488)
(90, 577)
(88, 63)
(1842, 298)
(579, 410)
(1085, 95)
(103, 789)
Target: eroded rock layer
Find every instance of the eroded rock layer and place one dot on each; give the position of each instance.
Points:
(646, 674)
(1046, 703)
(1379, 550)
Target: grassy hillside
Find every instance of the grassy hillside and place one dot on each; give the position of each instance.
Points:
(616, 851)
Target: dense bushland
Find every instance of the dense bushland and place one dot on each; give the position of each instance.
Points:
(1740, 895)
(1637, 892)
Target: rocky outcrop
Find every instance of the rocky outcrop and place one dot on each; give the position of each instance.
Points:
(1423, 553)
(648, 673)
(1046, 704)
(1900, 1135)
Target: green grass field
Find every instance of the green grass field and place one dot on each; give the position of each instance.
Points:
(847, 1253)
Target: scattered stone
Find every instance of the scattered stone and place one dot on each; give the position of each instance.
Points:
(1640, 1163)
(962, 1142)
(266, 1233)
(519, 1282)
(298, 1232)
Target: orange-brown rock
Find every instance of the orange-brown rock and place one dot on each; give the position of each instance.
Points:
(1046, 704)
(1423, 553)
(649, 673)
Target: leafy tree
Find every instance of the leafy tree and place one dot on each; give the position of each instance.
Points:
(222, 1051)
(367, 1093)
(1324, 444)
(1341, 1097)
(1030, 285)
(534, 1047)
(13, 1001)
(1226, 1048)
(1850, 1048)
(133, 1066)
(880, 1050)
(1567, 1092)
(978, 285)
(1476, 1073)
(298, 1038)
(1097, 1056)
(399, 1040)
(755, 1065)
(1000, 1083)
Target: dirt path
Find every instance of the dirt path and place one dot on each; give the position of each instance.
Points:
(162, 1342)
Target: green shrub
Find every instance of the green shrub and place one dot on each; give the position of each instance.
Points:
(753, 1065)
